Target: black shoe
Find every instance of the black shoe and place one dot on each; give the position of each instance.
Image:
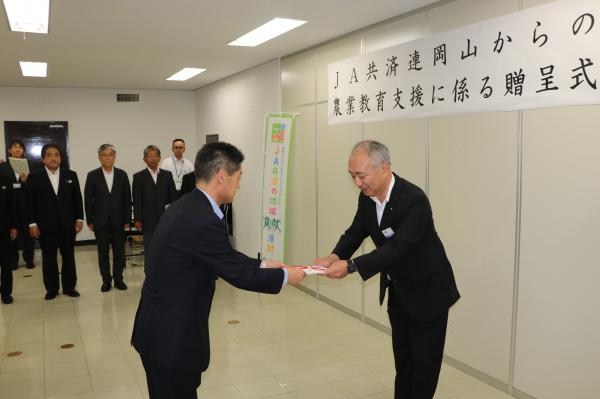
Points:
(73, 294)
(120, 285)
(105, 287)
(50, 295)
(31, 265)
(7, 299)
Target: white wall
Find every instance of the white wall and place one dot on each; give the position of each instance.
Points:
(235, 108)
(95, 118)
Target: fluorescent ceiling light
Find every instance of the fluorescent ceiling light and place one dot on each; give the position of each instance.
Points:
(268, 31)
(28, 15)
(186, 73)
(34, 69)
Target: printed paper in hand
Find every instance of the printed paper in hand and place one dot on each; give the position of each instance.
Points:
(308, 270)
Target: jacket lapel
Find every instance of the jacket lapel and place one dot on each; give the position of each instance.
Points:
(388, 211)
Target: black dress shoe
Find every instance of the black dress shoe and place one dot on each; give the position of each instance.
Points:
(7, 299)
(105, 287)
(49, 296)
(31, 265)
(73, 293)
(120, 285)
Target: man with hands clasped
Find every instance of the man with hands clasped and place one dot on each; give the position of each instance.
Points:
(411, 261)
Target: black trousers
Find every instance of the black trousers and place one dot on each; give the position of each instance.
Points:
(115, 236)
(147, 234)
(63, 240)
(23, 241)
(6, 275)
(164, 383)
(418, 351)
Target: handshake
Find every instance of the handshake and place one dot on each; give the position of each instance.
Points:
(330, 266)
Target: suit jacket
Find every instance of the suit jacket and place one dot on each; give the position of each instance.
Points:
(190, 248)
(414, 257)
(19, 186)
(8, 212)
(100, 204)
(50, 211)
(150, 200)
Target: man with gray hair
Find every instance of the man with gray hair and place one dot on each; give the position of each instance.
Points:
(411, 263)
(153, 191)
(107, 199)
(189, 250)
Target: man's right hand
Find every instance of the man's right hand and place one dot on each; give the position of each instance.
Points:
(327, 261)
(295, 275)
(91, 226)
(34, 231)
(138, 226)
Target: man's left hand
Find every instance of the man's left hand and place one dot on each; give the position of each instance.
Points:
(13, 234)
(78, 226)
(337, 270)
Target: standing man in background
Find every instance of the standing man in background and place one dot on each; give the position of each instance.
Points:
(411, 263)
(55, 210)
(8, 233)
(153, 191)
(108, 212)
(16, 149)
(177, 164)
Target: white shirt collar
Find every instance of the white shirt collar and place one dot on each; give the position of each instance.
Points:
(50, 173)
(389, 193)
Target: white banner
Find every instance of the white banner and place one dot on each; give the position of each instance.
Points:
(278, 138)
(545, 56)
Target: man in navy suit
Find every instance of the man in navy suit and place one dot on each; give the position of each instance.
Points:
(108, 211)
(55, 210)
(189, 250)
(410, 260)
(153, 191)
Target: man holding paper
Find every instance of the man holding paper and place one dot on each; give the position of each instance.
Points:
(17, 170)
(190, 248)
(410, 260)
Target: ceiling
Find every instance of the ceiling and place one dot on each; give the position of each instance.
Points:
(137, 44)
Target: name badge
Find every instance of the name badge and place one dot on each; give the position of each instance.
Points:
(388, 233)
(69, 181)
(16, 185)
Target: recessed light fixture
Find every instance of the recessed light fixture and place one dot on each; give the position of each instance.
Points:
(28, 15)
(266, 32)
(186, 73)
(34, 69)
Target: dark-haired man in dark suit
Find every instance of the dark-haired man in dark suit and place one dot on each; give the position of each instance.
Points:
(153, 191)
(410, 260)
(189, 249)
(55, 210)
(108, 210)
(8, 233)
(16, 149)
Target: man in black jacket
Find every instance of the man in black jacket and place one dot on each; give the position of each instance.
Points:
(8, 233)
(410, 260)
(108, 211)
(189, 249)
(55, 210)
(153, 191)
(16, 149)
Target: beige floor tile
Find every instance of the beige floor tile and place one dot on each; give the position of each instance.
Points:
(260, 388)
(68, 387)
(325, 391)
(358, 387)
(225, 392)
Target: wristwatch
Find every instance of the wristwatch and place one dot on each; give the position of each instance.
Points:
(351, 266)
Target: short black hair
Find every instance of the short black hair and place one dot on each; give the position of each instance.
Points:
(182, 140)
(50, 145)
(17, 142)
(215, 156)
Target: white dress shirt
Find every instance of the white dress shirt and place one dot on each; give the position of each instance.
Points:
(153, 173)
(380, 206)
(109, 177)
(54, 178)
(178, 168)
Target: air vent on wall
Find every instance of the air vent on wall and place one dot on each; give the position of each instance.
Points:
(128, 98)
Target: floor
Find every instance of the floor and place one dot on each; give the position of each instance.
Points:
(289, 346)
